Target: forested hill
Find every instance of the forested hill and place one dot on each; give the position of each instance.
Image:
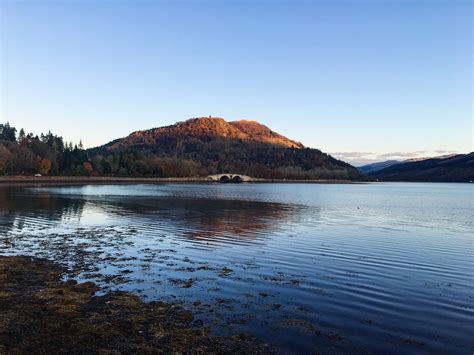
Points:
(458, 168)
(197, 147)
(204, 146)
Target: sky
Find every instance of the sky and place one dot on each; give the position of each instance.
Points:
(365, 80)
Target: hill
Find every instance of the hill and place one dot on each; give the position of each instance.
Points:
(373, 167)
(369, 168)
(204, 129)
(204, 146)
(458, 168)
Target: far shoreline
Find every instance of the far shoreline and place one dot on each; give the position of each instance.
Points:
(22, 180)
(86, 180)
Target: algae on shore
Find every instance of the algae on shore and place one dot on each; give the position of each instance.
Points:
(42, 314)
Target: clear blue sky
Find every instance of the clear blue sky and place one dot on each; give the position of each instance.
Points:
(366, 79)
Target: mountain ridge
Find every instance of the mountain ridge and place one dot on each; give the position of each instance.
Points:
(457, 168)
(373, 167)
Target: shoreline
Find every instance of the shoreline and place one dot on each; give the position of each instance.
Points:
(105, 180)
(86, 180)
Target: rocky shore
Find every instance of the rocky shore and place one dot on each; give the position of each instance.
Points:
(41, 313)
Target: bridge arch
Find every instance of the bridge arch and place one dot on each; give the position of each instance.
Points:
(224, 178)
(230, 178)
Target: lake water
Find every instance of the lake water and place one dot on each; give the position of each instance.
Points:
(362, 268)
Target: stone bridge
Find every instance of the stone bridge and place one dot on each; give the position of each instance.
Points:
(230, 178)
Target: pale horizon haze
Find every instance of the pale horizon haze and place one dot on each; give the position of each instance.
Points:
(363, 80)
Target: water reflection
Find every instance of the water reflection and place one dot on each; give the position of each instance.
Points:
(197, 220)
(16, 209)
(206, 219)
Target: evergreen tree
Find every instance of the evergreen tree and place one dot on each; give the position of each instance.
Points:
(7, 132)
(21, 135)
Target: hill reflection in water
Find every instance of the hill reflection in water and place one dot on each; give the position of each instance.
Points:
(197, 220)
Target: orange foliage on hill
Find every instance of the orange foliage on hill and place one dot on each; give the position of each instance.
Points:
(208, 128)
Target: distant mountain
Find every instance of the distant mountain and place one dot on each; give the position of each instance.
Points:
(373, 167)
(369, 168)
(426, 158)
(458, 168)
(209, 145)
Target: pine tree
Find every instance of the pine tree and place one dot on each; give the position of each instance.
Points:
(7, 132)
(21, 135)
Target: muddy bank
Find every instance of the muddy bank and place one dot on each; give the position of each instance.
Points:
(39, 313)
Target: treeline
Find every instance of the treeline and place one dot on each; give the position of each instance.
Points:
(170, 156)
(46, 154)
(138, 164)
(183, 156)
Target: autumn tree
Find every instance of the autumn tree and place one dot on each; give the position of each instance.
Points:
(5, 157)
(87, 166)
(28, 154)
(44, 166)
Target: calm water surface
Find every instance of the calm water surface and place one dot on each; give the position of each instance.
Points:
(367, 268)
